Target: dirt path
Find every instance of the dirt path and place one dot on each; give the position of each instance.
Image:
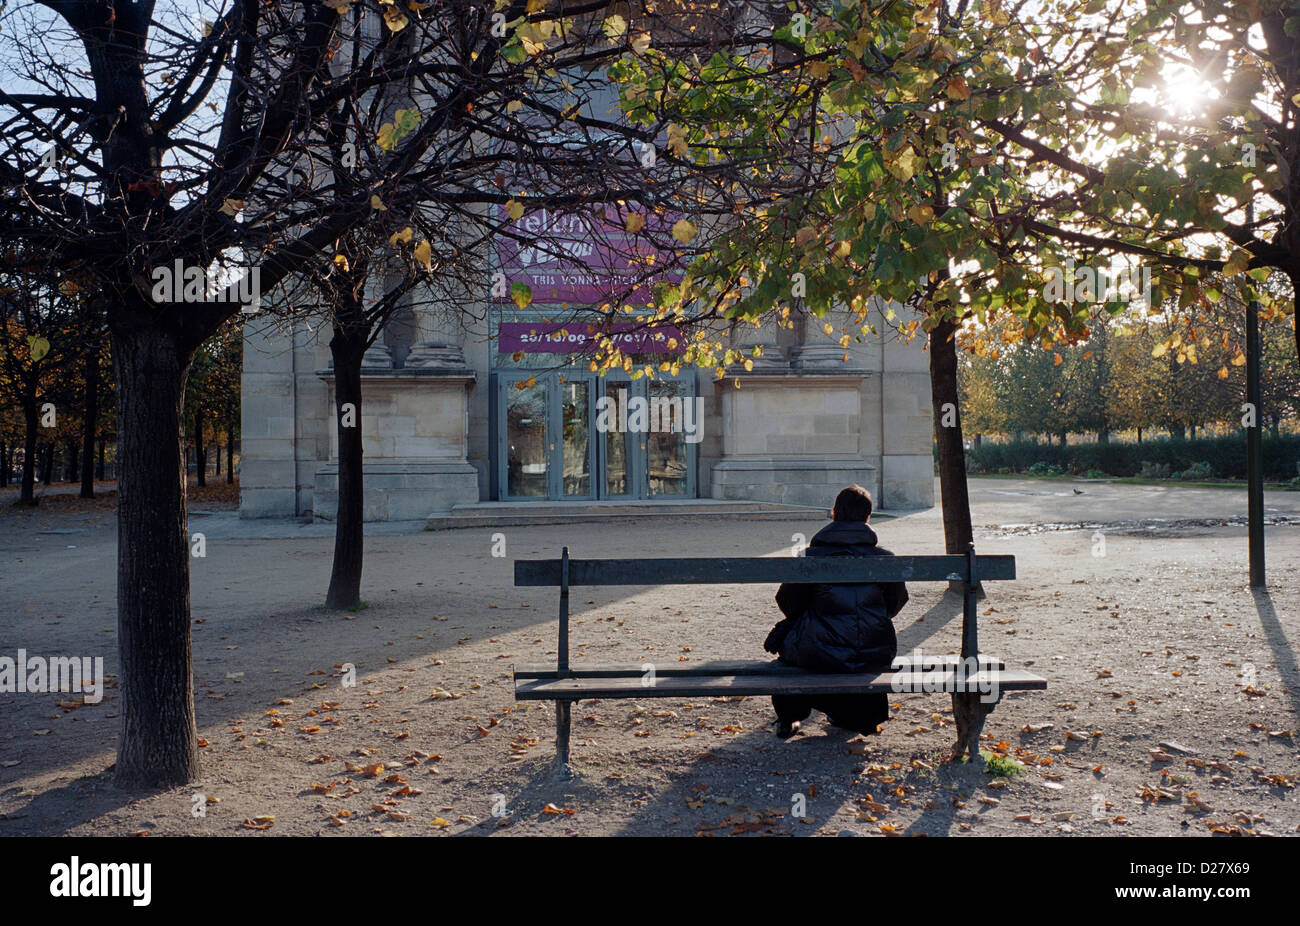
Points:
(1155, 641)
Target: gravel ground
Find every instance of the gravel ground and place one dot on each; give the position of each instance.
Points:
(1157, 641)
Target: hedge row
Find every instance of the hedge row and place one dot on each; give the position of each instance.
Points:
(1226, 456)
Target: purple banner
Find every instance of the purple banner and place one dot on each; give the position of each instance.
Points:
(584, 338)
(584, 259)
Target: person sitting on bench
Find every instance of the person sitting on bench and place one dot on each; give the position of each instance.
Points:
(838, 628)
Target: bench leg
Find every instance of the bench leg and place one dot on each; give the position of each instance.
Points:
(562, 713)
(970, 711)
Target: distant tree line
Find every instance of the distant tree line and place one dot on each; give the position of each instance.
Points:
(1134, 376)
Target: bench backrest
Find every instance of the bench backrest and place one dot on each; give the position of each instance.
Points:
(752, 570)
(566, 573)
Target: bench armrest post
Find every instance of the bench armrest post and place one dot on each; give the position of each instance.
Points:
(969, 631)
(562, 649)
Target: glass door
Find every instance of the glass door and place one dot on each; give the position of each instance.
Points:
(525, 438)
(544, 444)
(620, 451)
(643, 438)
(575, 458)
(668, 454)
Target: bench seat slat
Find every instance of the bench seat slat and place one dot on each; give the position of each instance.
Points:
(602, 670)
(761, 570)
(573, 689)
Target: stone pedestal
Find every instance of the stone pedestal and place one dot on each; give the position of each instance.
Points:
(792, 437)
(414, 425)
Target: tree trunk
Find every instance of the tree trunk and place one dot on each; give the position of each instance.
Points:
(159, 740)
(200, 456)
(349, 532)
(99, 463)
(4, 464)
(90, 422)
(957, 532)
(230, 450)
(216, 455)
(47, 464)
(27, 493)
(1139, 435)
(71, 469)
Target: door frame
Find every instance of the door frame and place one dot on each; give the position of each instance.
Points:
(501, 383)
(639, 462)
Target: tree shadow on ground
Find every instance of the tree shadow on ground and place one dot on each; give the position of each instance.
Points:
(74, 802)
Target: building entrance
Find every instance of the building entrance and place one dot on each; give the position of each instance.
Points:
(565, 434)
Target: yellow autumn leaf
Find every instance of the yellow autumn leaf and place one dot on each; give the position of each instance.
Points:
(424, 254)
(395, 19)
(231, 207)
(377, 203)
(515, 209)
(341, 261)
(958, 89)
(921, 214)
(614, 27)
(634, 222)
(385, 136)
(1237, 263)
(1223, 372)
(532, 41)
(338, 6)
(677, 140)
(641, 44)
(1056, 360)
(514, 106)
(684, 230)
(403, 236)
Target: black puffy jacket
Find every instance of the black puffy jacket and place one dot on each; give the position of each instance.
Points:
(839, 628)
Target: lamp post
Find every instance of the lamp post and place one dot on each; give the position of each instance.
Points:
(1254, 461)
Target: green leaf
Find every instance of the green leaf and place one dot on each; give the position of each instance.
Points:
(1237, 263)
(522, 294)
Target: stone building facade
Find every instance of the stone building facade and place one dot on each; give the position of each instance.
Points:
(451, 419)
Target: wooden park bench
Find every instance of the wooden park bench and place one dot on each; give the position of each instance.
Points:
(975, 684)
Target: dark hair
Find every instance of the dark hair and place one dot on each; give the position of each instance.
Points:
(852, 504)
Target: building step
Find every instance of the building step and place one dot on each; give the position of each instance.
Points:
(515, 514)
